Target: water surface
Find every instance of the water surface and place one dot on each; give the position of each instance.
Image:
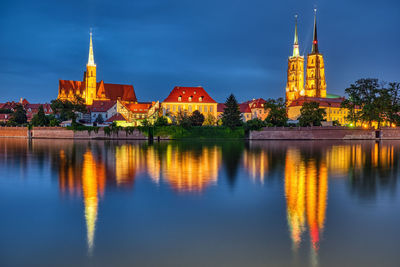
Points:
(277, 203)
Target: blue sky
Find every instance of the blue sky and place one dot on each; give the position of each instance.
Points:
(234, 46)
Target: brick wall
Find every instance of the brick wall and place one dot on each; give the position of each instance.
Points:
(63, 133)
(313, 133)
(21, 132)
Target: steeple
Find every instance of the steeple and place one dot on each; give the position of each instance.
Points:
(296, 52)
(314, 49)
(91, 56)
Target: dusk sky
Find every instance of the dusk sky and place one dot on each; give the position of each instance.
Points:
(233, 46)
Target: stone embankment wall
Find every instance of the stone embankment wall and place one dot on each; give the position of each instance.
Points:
(314, 133)
(390, 134)
(20, 132)
(63, 133)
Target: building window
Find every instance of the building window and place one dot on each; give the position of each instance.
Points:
(190, 108)
(205, 108)
(200, 108)
(211, 109)
(200, 98)
(190, 99)
(174, 108)
(180, 98)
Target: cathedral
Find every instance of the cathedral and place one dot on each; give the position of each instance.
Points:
(314, 88)
(91, 90)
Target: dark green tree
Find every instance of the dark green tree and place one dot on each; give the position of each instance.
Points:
(99, 119)
(161, 121)
(196, 118)
(231, 116)
(19, 116)
(67, 110)
(183, 119)
(40, 119)
(311, 114)
(254, 125)
(367, 101)
(277, 115)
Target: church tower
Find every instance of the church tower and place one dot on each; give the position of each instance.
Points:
(315, 77)
(295, 72)
(90, 76)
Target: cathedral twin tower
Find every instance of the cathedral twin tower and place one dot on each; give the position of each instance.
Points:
(315, 85)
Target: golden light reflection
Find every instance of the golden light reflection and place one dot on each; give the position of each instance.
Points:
(191, 171)
(93, 181)
(256, 164)
(306, 191)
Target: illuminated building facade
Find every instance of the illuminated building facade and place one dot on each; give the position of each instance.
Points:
(315, 73)
(189, 99)
(314, 89)
(295, 72)
(90, 90)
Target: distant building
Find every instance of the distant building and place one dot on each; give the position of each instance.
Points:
(31, 109)
(253, 109)
(189, 99)
(105, 109)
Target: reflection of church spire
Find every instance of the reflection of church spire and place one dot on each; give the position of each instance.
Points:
(93, 177)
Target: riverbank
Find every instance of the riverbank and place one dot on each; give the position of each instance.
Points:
(203, 133)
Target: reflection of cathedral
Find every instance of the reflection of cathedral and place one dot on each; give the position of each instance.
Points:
(306, 191)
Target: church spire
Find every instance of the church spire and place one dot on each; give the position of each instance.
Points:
(91, 56)
(314, 49)
(296, 52)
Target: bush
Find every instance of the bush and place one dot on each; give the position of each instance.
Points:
(196, 118)
(254, 125)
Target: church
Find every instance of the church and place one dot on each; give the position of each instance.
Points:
(91, 90)
(314, 88)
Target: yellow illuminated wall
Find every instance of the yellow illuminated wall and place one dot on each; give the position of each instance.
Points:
(295, 79)
(315, 76)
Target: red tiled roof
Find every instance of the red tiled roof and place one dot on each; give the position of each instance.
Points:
(244, 108)
(256, 103)
(195, 93)
(104, 90)
(116, 117)
(323, 102)
(138, 107)
(101, 106)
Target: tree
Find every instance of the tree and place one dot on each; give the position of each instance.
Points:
(99, 119)
(196, 118)
(231, 116)
(277, 112)
(161, 121)
(40, 119)
(19, 116)
(311, 114)
(209, 120)
(370, 98)
(254, 125)
(68, 109)
(183, 119)
(392, 109)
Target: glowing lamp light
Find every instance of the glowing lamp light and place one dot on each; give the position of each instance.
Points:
(365, 126)
(393, 125)
(351, 125)
(315, 42)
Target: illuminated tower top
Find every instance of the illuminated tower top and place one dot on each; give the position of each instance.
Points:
(296, 52)
(91, 55)
(314, 49)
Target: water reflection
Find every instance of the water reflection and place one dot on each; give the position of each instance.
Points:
(87, 170)
(306, 191)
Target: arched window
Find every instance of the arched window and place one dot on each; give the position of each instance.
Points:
(180, 98)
